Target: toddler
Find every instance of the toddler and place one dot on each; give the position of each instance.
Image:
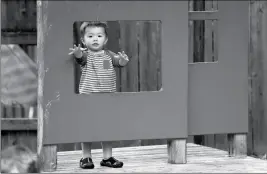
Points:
(98, 75)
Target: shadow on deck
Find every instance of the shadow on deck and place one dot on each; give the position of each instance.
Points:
(154, 159)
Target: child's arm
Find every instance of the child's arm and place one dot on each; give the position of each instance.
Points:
(115, 60)
(118, 60)
(79, 54)
(81, 60)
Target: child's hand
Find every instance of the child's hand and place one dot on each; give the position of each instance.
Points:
(77, 51)
(123, 58)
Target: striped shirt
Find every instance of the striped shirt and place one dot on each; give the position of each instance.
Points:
(98, 73)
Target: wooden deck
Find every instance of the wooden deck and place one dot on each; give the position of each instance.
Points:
(154, 159)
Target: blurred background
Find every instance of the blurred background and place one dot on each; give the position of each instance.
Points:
(18, 95)
(19, 74)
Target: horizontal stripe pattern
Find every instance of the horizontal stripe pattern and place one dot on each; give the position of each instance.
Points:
(95, 77)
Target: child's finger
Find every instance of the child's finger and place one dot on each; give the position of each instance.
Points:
(120, 53)
(71, 49)
(71, 53)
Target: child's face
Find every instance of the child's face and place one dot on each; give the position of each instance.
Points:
(95, 38)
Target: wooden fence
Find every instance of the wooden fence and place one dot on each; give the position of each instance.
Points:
(18, 22)
(202, 38)
(19, 123)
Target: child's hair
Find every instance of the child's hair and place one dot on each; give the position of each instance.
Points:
(93, 24)
(19, 159)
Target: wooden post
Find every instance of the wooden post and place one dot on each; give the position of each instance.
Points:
(237, 145)
(257, 78)
(264, 54)
(47, 154)
(48, 158)
(176, 151)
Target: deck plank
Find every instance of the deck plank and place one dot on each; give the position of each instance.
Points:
(154, 159)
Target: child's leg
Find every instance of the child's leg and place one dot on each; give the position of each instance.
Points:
(86, 162)
(107, 149)
(108, 160)
(86, 150)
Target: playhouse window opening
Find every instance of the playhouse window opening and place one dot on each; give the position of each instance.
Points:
(203, 41)
(202, 31)
(202, 5)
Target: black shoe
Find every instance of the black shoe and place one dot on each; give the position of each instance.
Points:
(87, 163)
(111, 162)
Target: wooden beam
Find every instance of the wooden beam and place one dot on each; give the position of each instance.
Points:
(47, 154)
(40, 62)
(48, 158)
(16, 124)
(0, 61)
(203, 15)
(176, 151)
(237, 146)
(29, 38)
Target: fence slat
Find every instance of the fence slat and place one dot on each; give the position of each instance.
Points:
(114, 45)
(257, 77)
(191, 42)
(154, 47)
(18, 111)
(31, 13)
(9, 111)
(159, 58)
(143, 54)
(3, 112)
(129, 44)
(208, 34)
(215, 4)
(4, 20)
(215, 40)
(149, 56)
